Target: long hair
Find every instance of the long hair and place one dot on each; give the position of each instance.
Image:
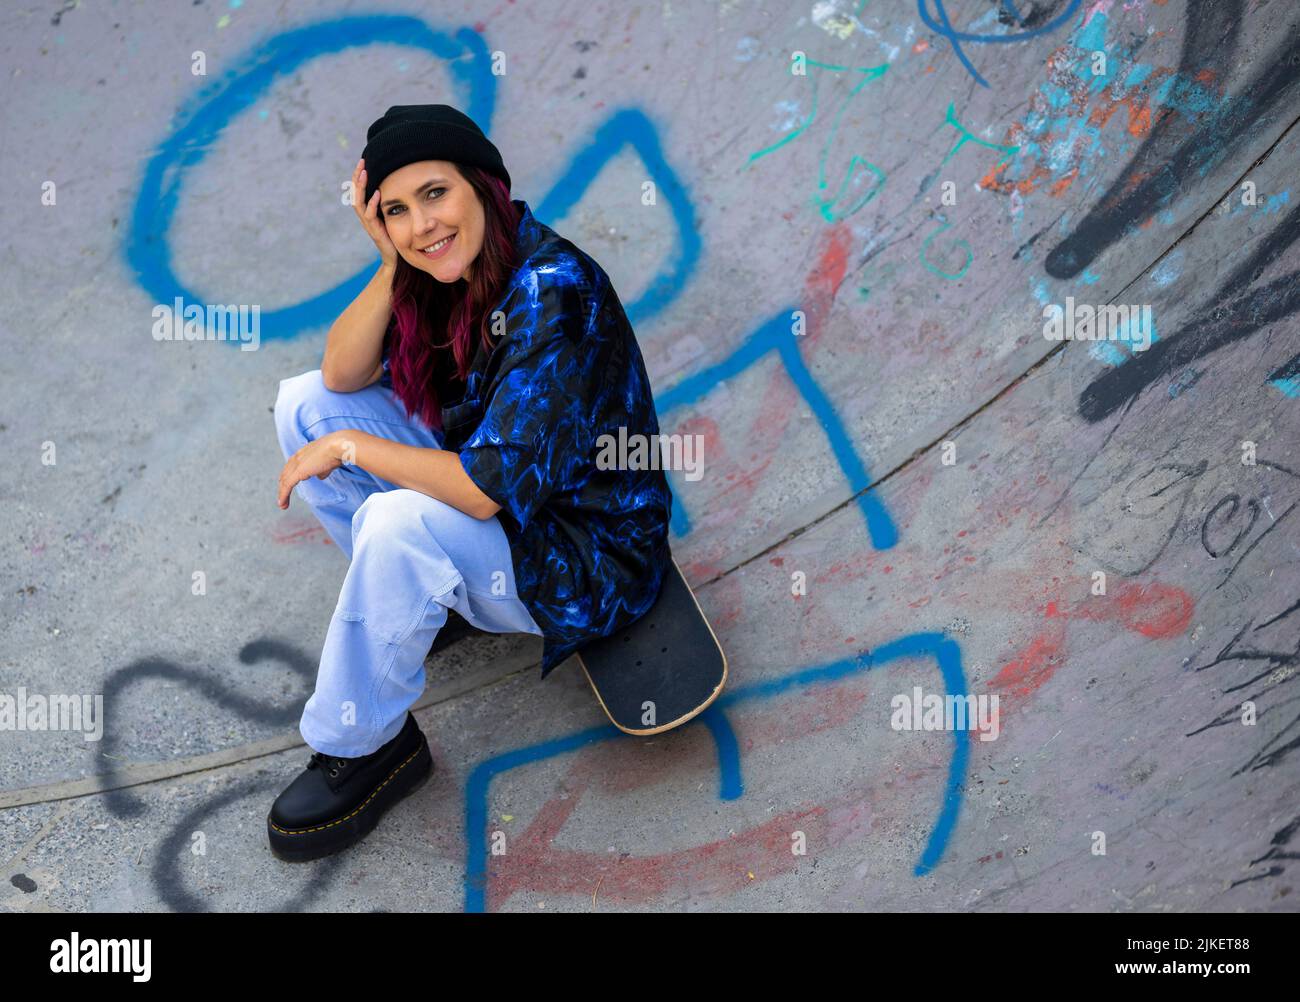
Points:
(434, 324)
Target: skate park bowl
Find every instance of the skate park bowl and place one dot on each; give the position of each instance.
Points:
(979, 321)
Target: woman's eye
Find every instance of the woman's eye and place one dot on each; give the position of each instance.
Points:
(430, 192)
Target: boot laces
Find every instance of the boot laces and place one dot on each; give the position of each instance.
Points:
(330, 763)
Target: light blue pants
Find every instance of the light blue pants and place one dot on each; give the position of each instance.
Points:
(412, 558)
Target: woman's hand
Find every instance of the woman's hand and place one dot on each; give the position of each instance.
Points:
(318, 458)
(370, 217)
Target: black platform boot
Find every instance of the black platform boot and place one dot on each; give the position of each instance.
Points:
(336, 801)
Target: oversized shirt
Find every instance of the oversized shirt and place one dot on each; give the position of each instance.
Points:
(589, 545)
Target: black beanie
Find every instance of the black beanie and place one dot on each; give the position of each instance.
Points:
(409, 133)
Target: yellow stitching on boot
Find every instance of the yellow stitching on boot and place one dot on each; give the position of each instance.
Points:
(304, 831)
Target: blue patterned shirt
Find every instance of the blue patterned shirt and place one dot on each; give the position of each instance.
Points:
(589, 545)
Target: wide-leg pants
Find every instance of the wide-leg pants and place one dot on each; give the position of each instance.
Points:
(412, 558)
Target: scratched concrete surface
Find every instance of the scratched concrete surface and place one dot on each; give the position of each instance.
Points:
(946, 482)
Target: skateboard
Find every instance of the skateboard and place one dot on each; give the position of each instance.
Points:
(661, 670)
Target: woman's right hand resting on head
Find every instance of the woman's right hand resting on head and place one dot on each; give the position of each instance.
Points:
(369, 216)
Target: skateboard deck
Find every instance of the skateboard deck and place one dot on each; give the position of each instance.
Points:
(663, 669)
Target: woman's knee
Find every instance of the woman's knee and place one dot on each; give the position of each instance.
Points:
(408, 516)
(397, 513)
(298, 396)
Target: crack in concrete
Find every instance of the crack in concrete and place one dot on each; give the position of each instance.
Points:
(1016, 381)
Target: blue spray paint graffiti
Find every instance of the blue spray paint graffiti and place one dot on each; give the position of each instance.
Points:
(200, 124)
(947, 656)
(630, 127)
(202, 121)
(203, 118)
(775, 336)
(945, 28)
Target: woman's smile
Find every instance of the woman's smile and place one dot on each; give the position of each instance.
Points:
(438, 249)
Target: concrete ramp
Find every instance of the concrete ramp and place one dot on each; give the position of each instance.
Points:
(983, 315)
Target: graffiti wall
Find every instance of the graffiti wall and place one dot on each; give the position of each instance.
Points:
(982, 317)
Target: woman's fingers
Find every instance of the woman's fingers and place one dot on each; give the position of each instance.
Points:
(359, 189)
(289, 478)
(379, 231)
(286, 486)
(368, 213)
(371, 214)
(299, 467)
(359, 201)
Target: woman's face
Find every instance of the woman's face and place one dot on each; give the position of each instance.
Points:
(425, 203)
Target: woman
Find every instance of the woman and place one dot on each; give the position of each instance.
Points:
(448, 445)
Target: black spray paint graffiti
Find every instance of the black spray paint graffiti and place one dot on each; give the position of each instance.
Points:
(125, 804)
(1239, 313)
(1253, 505)
(1279, 667)
(1151, 182)
(1275, 663)
(1281, 838)
(1161, 496)
(167, 874)
(256, 708)
(1274, 669)
(1152, 178)
(1271, 664)
(1163, 493)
